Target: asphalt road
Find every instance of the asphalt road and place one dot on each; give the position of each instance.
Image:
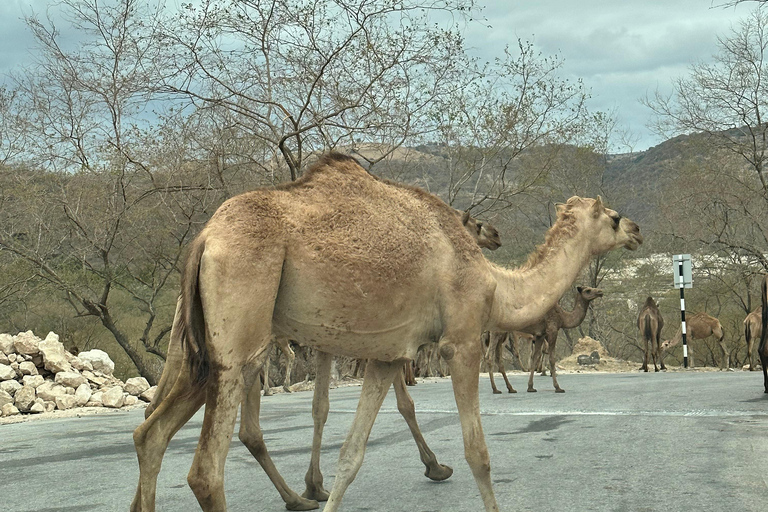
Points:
(612, 442)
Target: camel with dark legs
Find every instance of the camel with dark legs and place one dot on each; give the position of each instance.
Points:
(649, 323)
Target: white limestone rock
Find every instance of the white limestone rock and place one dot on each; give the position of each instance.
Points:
(70, 379)
(65, 402)
(4, 358)
(9, 410)
(99, 360)
(54, 355)
(7, 372)
(6, 344)
(130, 400)
(80, 365)
(49, 390)
(49, 406)
(149, 394)
(83, 394)
(33, 380)
(5, 398)
(37, 408)
(12, 357)
(136, 386)
(113, 397)
(28, 368)
(26, 343)
(11, 386)
(24, 398)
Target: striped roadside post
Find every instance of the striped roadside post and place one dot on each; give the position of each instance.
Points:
(681, 268)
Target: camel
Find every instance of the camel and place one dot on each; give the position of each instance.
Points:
(650, 323)
(753, 330)
(487, 237)
(698, 326)
(494, 343)
(351, 265)
(762, 349)
(290, 356)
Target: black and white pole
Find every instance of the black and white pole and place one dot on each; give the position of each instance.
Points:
(682, 318)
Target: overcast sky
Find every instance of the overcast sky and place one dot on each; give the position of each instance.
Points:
(622, 49)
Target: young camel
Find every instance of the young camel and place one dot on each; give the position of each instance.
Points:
(546, 331)
(486, 236)
(698, 326)
(650, 323)
(753, 330)
(279, 260)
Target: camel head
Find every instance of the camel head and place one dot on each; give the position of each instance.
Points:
(608, 229)
(665, 345)
(484, 233)
(589, 294)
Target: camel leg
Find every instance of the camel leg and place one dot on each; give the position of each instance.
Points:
(465, 367)
(654, 352)
(725, 362)
(764, 364)
(174, 360)
(435, 471)
(489, 359)
(290, 357)
(151, 438)
(206, 476)
(314, 477)
(252, 437)
(552, 340)
(378, 377)
(535, 360)
(265, 374)
(500, 363)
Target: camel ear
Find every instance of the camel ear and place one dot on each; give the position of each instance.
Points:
(598, 207)
(559, 207)
(465, 217)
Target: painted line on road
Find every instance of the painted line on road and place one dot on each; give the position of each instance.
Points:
(683, 414)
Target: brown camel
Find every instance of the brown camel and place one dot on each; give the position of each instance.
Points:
(698, 327)
(650, 323)
(351, 265)
(543, 332)
(486, 236)
(494, 343)
(762, 349)
(753, 330)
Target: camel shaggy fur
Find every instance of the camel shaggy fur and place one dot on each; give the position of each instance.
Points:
(350, 265)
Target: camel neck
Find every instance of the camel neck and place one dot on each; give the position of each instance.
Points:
(571, 319)
(525, 295)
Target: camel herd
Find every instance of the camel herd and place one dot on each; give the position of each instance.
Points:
(352, 265)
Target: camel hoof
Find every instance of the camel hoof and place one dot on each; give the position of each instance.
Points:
(559, 390)
(656, 370)
(512, 390)
(531, 390)
(302, 504)
(318, 494)
(496, 392)
(287, 389)
(439, 473)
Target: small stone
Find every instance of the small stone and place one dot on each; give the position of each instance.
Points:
(130, 400)
(80, 365)
(10, 386)
(7, 372)
(99, 360)
(6, 343)
(49, 406)
(99, 381)
(70, 379)
(83, 394)
(136, 386)
(50, 390)
(4, 358)
(149, 394)
(54, 355)
(9, 410)
(37, 408)
(12, 357)
(24, 398)
(65, 402)
(113, 397)
(26, 343)
(33, 380)
(28, 368)
(5, 398)
(96, 398)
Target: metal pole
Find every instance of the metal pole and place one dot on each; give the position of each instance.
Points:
(682, 313)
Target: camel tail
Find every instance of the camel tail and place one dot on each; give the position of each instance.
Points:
(647, 331)
(193, 321)
(747, 332)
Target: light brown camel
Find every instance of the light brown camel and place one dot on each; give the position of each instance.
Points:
(486, 236)
(650, 323)
(698, 327)
(281, 259)
(762, 349)
(545, 331)
(753, 330)
(494, 343)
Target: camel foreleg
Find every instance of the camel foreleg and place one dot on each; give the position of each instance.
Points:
(378, 377)
(499, 358)
(552, 341)
(320, 405)
(490, 352)
(535, 361)
(434, 470)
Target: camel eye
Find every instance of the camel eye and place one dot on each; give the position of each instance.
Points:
(479, 227)
(616, 221)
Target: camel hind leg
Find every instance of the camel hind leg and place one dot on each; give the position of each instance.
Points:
(434, 470)
(535, 360)
(490, 352)
(290, 357)
(499, 358)
(378, 377)
(552, 341)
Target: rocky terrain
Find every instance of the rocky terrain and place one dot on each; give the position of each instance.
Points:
(39, 376)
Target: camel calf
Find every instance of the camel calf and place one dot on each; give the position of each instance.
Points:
(699, 326)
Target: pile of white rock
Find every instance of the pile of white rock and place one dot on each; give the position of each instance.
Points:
(41, 376)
